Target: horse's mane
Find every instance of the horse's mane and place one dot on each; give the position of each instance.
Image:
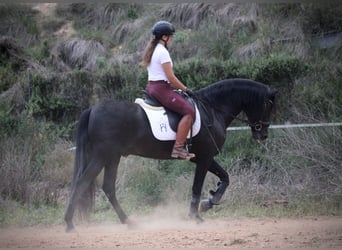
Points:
(235, 90)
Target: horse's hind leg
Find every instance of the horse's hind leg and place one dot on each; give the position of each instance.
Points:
(108, 187)
(82, 184)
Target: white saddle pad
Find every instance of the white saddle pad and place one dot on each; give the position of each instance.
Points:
(160, 123)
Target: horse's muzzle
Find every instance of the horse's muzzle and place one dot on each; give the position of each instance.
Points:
(259, 136)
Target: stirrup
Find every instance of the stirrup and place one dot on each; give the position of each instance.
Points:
(181, 153)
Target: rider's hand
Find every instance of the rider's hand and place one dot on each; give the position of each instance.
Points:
(189, 92)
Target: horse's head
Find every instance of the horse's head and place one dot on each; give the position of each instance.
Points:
(232, 96)
(260, 121)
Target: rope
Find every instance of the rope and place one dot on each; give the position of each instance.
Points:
(304, 125)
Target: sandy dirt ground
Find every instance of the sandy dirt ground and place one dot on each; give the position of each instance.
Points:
(311, 232)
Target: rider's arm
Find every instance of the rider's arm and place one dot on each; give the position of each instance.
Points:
(174, 81)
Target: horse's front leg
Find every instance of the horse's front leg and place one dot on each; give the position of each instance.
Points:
(200, 173)
(217, 170)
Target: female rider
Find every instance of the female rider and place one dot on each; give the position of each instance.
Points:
(162, 80)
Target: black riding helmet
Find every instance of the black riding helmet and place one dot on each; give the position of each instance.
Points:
(161, 28)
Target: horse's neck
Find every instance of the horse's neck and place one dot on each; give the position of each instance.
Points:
(231, 97)
(231, 114)
(225, 112)
(229, 108)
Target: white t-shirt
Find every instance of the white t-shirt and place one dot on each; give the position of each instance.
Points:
(155, 70)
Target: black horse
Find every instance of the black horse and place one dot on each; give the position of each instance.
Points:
(113, 129)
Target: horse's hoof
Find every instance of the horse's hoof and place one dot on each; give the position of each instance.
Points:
(70, 230)
(205, 205)
(131, 224)
(199, 219)
(196, 217)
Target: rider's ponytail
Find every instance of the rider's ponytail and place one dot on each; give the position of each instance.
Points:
(146, 59)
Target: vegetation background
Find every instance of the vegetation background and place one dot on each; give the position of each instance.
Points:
(58, 59)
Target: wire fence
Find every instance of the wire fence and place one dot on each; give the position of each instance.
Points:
(303, 125)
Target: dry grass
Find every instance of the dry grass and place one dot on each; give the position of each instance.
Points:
(191, 15)
(15, 168)
(309, 160)
(250, 51)
(297, 162)
(55, 174)
(17, 21)
(78, 53)
(21, 182)
(58, 165)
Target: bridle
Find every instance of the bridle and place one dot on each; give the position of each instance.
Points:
(256, 126)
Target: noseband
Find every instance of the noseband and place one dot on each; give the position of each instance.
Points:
(258, 126)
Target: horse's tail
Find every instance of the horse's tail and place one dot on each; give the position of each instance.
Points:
(86, 200)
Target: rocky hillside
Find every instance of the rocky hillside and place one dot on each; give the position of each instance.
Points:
(54, 49)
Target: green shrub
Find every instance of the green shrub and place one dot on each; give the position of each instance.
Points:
(41, 52)
(277, 70)
(121, 82)
(133, 11)
(7, 77)
(60, 98)
(197, 73)
(46, 100)
(7, 121)
(319, 96)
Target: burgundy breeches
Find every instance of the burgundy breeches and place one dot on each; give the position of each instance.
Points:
(162, 91)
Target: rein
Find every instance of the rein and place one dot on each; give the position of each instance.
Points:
(257, 126)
